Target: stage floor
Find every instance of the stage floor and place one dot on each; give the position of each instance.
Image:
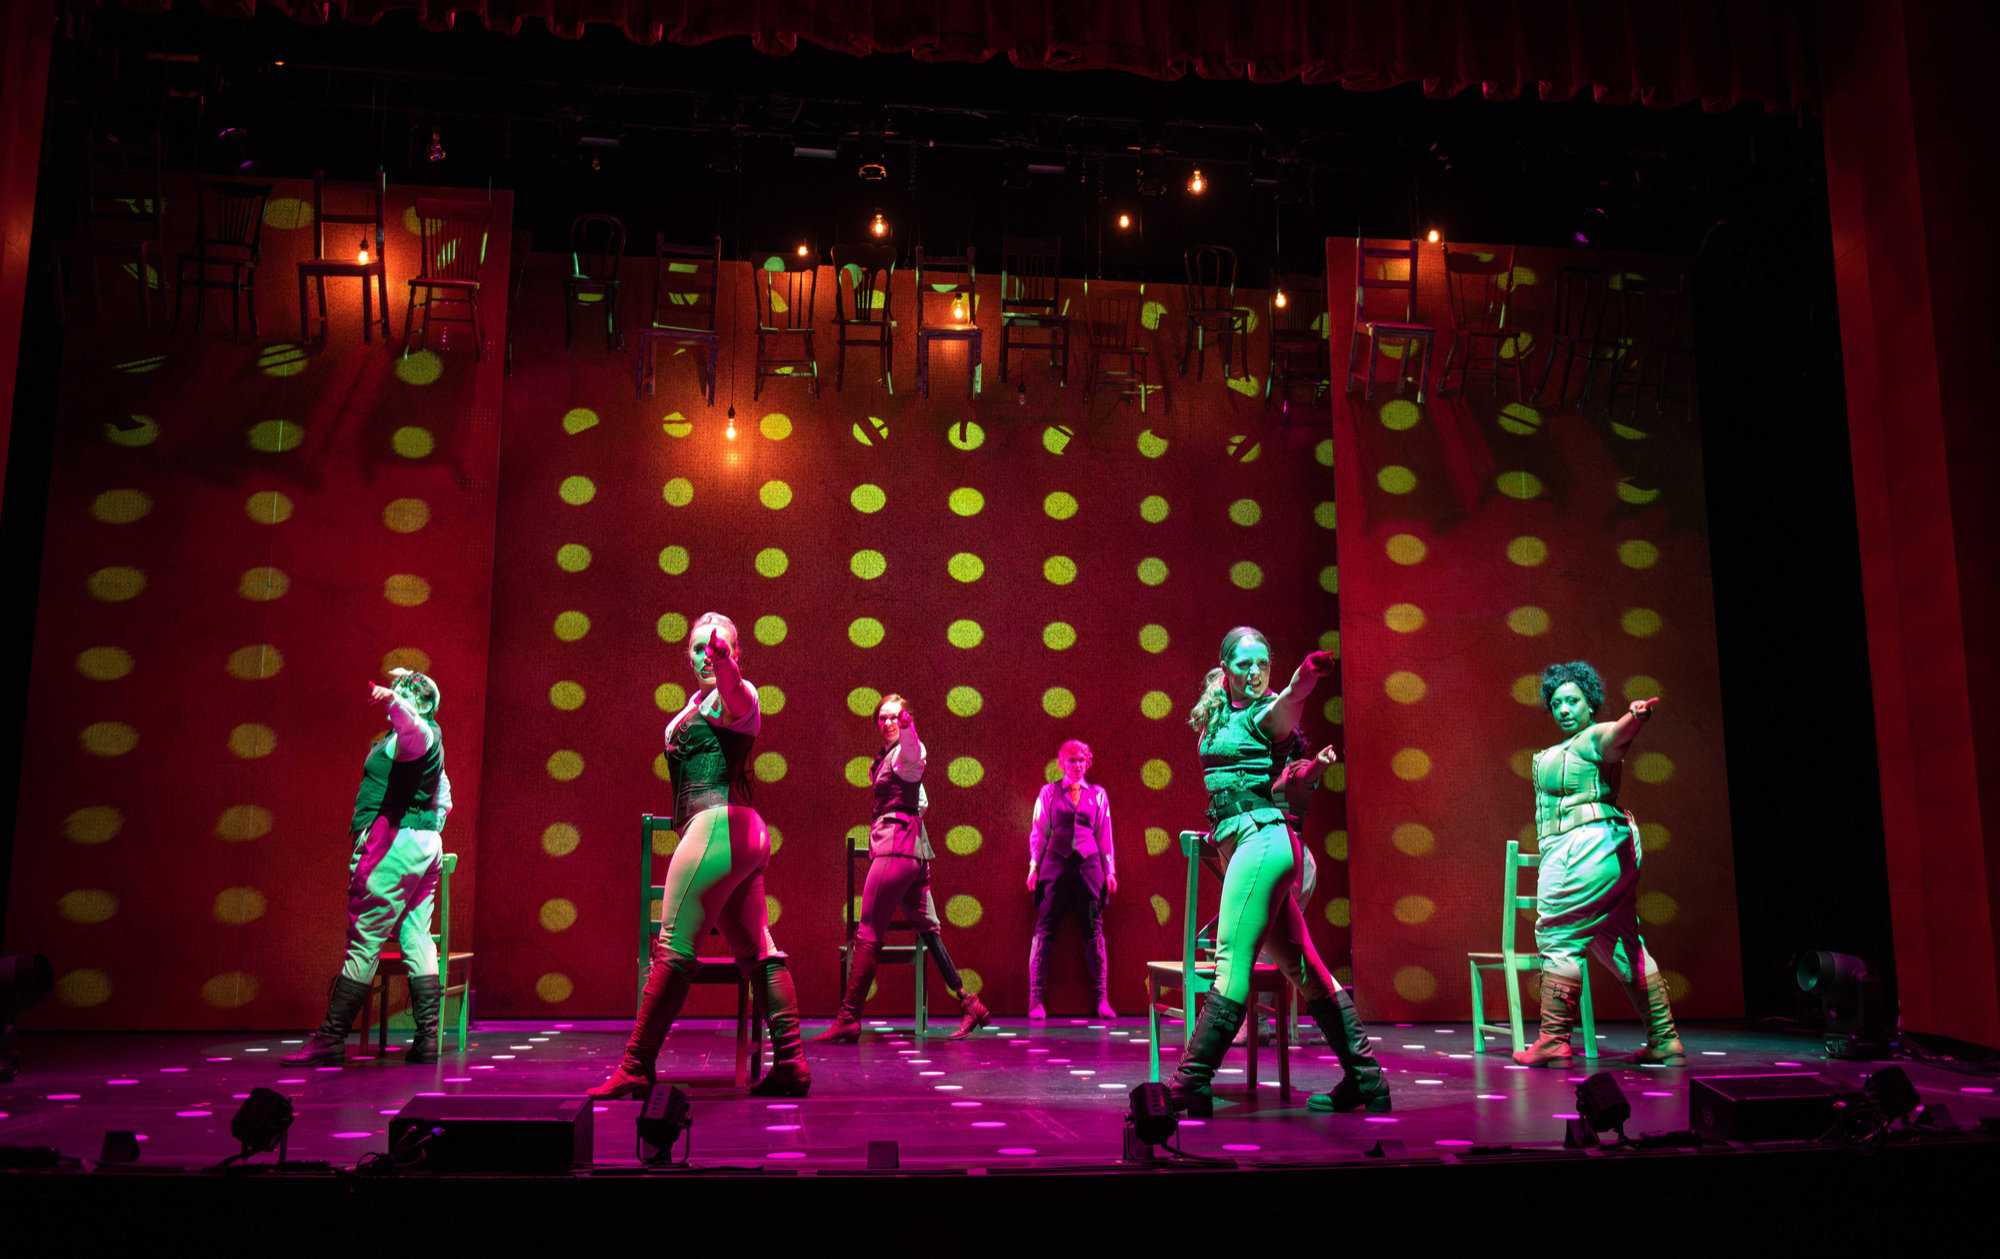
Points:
(1016, 1096)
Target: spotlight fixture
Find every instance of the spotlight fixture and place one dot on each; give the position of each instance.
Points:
(1890, 1088)
(1859, 1022)
(436, 153)
(1196, 184)
(1601, 1107)
(879, 227)
(1433, 238)
(261, 1124)
(662, 1120)
(1149, 1121)
(873, 168)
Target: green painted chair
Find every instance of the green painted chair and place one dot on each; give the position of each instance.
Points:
(449, 964)
(1514, 964)
(1192, 978)
(911, 954)
(708, 970)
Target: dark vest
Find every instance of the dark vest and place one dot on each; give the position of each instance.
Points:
(706, 765)
(1073, 828)
(405, 792)
(897, 829)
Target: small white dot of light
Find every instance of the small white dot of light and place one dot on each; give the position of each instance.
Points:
(299, 1041)
(1060, 1062)
(1785, 1064)
(878, 1022)
(1097, 1027)
(1405, 1024)
(1644, 1066)
(1076, 1071)
(1442, 1031)
(780, 1106)
(457, 1079)
(1413, 1046)
(1327, 1058)
(483, 1066)
(948, 1088)
(967, 1105)
(930, 1073)
(598, 1110)
(1111, 1086)
(261, 1050)
(218, 1060)
(520, 1046)
(538, 1039)
(1969, 1088)
(1458, 1055)
(921, 1061)
(1652, 1094)
(1715, 1053)
(240, 1096)
(1492, 1097)
(1194, 1123)
(1512, 1067)
(1037, 1051)
(501, 1057)
(782, 1127)
(326, 1068)
(394, 1110)
(172, 1070)
(1267, 1084)
(1565, 1116)
(1232, 1070)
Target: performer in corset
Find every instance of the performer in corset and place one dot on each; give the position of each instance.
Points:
(716, 876)
(1238, 721)
(1072, 868)
(392, 884)
(1291, 791)
(899, 876)
(1587, 886)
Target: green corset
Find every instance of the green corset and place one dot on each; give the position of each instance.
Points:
(1571, 790)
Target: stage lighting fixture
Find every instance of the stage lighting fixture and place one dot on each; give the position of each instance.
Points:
(1149, 1121)
(261, 1123)
(873, 168)
(436, 153)
(664, 1117)
(1890, 1088)
(1196, 184)
(1851, 1004)
(1600, 1107)
(119, 1147)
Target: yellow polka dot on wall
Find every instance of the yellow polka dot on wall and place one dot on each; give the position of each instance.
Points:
(565, 765)
(558, 914)
(1522, 762)
(775, 495)
(772, 909)
(579, 419)
(970, 980)
(964, 634)
(964, 771)
(1339, 911)
(554, 988)
(567, 696)
(769, 767)
(252, 740)
(674, 424)
(1641, 686)
(674, 560)
(865, 631)
(660, 769)
(966, 566)
(1336, 845)
(1059, 505)
(1404, 618)
(1153, 639)
(1410, 764)
(1652, 767)
(87, 905)
(1400, 415)
(1060, 570)
(1058, 636)
(1162, 911)
(1156, 704)
(274, 437)
(963, 840)
(863, 700)
(559, 839)
(93, 824)
(858, 769)
(959, 701)
(1528, 552)
(243, 822)
(104, 664)
(1640, 622)
(573, 557)
(1152, 571)
(966, 501)
(963, 911)
(669, 696)
(412, 442)
(1335, 710)
(776, 426)
(868, 498)
(108, 738)
(82, 989)
(868, 565)
(1527, 689)
(1396, 479)
(1157, 841)
(412, 658)
(406, 590)
(1677, 984)
(1520, 485)
(1411, 910)
(255, 663)
(1413, 839)
(1638, 553)
(572, 625)
(577, 490)
(1404, 687)
(115, 585)
(1657, 908)
(1245, 512)
(1528, 621)
(771, 562)
(770, 699)
(966, 435)
(1247, 575)
(1153, 509)
(231, 990)
(268, 507)
(1414, 983)
(121, 507)
(406, 515)
(1156, 774)
(234, 906)
(1406, 548)
(1058, 702)
(1654, 837)
(678, 492)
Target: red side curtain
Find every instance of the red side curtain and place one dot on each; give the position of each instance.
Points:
(1721, 53)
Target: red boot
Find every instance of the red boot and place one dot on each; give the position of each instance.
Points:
(1559, 1006)
(846, 1026)
(974, 1015)
(667, 987)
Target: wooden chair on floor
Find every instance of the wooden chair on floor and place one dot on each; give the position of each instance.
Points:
(1297, 320)
(119, 220)
(455, 969)
(335, 259)
(1209, 296)
(684, 311)
(1479, 285)
(911, 954)
(1193, 977)
(948, 310)
(787, 285)
(230, 227)
(452, 267)
(1031, 302)
(1115, 354)
(596, 248)
(1512, 964)
(708, 970)
(861, 311)
(1385, 314)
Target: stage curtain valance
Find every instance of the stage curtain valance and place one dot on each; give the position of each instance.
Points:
(1720, 53)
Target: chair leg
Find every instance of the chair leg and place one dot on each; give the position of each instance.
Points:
(1548, 365)
(1478, 1010)
(1589, 1016)
(478, 331)
(250, 300)
(409, 317)
(1514, 1021)
(713, 346)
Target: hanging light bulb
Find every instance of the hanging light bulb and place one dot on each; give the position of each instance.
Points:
(802, 251)
(1434, 236)
(958, 307)
(1279, 300)
(1124, 222)
(1021, 396)
(436, 153)
(880, 227)
(1196, 184)
(731, 432)
(361, 256)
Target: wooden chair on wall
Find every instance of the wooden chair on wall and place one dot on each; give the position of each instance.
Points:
(787, 285)
(596, 248)
(1659, 322)
(1210, 310)
(363, 261)
(948, 310)
(454, 969)
(1297, 320)
(452, 267)
(862, 315)
(1479, 285)
(1115, 354)
(684, 310)
(708, 970)
(230, 228)
(1031, 302)
(118, 220)
(1588, 330)
(1385, 314)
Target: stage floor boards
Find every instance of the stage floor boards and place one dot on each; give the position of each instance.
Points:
(1015, 1096)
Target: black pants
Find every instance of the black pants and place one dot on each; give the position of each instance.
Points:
(1074, 885)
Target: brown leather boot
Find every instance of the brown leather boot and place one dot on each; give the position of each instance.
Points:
(666, 991)
(974, 1015)
(1220, 1017)
(789, 1075)
(1559, 1006)
(329, 1043)
(1663, 1040)
(846, 1026)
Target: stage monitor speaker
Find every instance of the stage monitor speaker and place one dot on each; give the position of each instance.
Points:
(526, 1136)
(1787, 1106)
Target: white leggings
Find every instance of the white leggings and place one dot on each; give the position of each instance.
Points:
(391, 886)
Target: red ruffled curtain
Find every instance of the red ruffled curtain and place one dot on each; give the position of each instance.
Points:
(1721, 53)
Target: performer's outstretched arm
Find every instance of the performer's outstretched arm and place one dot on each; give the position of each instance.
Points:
(1290, 704)
(1613, 737)
(737, 697)
(413, 734)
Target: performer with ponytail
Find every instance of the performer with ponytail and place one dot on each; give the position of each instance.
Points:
(1238, 721)
(717, 872)
(1587, 884)
(899, 876)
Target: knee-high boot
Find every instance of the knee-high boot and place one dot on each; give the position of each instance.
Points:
(846, 1026)
(1100, 975)
(426, 1008)
(666, 991)
(1220, 1017)
(789, 1076)
(1560, 999)
(1663, 1040)
(329, 1043)
(1362, 1085)
(1036, 1011)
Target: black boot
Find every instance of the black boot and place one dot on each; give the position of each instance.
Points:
(426, 1006)
(329, 1043)
(1220, 1017)
(660, 1004)
(1362, 1086)
(789, 1075)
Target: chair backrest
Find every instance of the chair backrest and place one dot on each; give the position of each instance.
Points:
(1113, 323)
(684, 279)
(1582, 298)
(1299, 318)
(1513, 899)
(861, 276)
(1030, 275)
(121, 193)
(596, 247)
(1385, 280)
(454, 238)
(231, 217)
(787, 286)
(1210, 272)
(370, 195)
(947, 284)
(1478, 284)
(1653, 309)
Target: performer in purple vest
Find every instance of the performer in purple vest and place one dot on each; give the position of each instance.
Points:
(1072, 868)
(899, 876)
